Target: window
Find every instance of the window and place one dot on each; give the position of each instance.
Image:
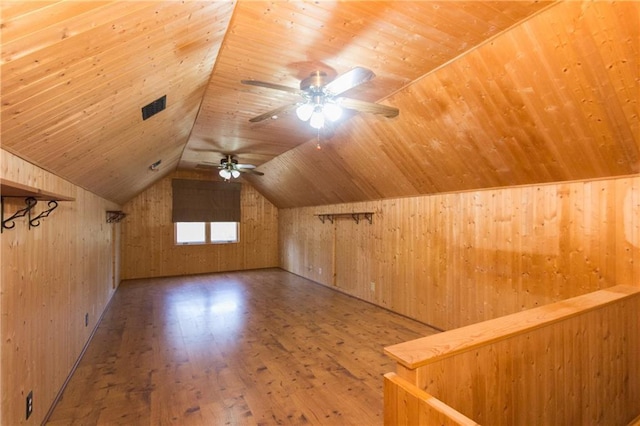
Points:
(206, 233)
(224, 232)
(190, 233)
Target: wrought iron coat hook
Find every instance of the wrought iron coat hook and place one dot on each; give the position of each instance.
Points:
(115, 216)
(9, 223)
(33, 222)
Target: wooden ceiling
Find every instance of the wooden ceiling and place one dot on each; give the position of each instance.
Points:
(490, 93)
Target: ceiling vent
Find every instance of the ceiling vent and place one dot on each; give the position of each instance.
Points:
(154, 107)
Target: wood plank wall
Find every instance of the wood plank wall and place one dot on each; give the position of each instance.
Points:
(149, 250)
(455, 259)
(51, 277)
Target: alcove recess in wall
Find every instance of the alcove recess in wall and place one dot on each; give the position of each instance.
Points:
(31, 197)
(355, 216)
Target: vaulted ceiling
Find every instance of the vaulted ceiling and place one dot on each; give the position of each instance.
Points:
(490, 93)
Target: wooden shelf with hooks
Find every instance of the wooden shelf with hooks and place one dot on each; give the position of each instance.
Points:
(355, 216)
(31, 197)
(115, 216)
(18, 190)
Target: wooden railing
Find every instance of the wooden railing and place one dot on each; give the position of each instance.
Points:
(572, 362)
(406, 404)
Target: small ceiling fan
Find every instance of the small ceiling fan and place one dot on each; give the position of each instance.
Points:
(321, 97)
(230, 168)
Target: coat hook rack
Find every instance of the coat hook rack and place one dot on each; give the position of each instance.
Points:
(324, 217)
(31, 196)
(355, 216)
(33, 222)
(9, 223)
(115, 216)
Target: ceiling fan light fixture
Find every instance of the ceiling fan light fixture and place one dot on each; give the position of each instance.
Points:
(229, 168)
(317, 118)
(304, 111)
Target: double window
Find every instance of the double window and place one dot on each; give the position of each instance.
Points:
(205, 212)
(206, 232)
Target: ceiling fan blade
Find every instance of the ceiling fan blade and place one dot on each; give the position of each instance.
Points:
(209, 164)
(271, 86)
(369, 107)
(253, 172)
(271, 113)
(206, 166)
(348, 80)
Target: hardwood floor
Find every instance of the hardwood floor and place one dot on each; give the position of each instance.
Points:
(245, 348)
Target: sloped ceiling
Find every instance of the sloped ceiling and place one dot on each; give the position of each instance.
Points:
(490, 93)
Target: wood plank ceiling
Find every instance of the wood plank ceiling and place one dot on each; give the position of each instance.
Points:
(490, 93)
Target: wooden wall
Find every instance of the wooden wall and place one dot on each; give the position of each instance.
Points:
(148, 247)
(460, 258)
(51, 277)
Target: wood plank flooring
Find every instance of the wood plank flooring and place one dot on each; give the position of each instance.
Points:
(261, 347)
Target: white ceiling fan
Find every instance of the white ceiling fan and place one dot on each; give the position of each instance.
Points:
(229, 168)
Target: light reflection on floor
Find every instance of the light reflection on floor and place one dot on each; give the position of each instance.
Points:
(217, 310)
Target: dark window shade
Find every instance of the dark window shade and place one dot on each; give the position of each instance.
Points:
(205, 201)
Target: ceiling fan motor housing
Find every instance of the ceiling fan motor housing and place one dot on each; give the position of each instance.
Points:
(228, 161)
(315, 83)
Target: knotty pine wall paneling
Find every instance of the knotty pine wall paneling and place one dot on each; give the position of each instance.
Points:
(148, 240)
(459, 258)
(51, 276)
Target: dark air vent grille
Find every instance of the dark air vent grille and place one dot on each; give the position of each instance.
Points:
(154, 107)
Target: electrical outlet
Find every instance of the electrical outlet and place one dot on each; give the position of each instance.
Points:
(29, 404)
(372, 285)
(319, 271)
(86, 319)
